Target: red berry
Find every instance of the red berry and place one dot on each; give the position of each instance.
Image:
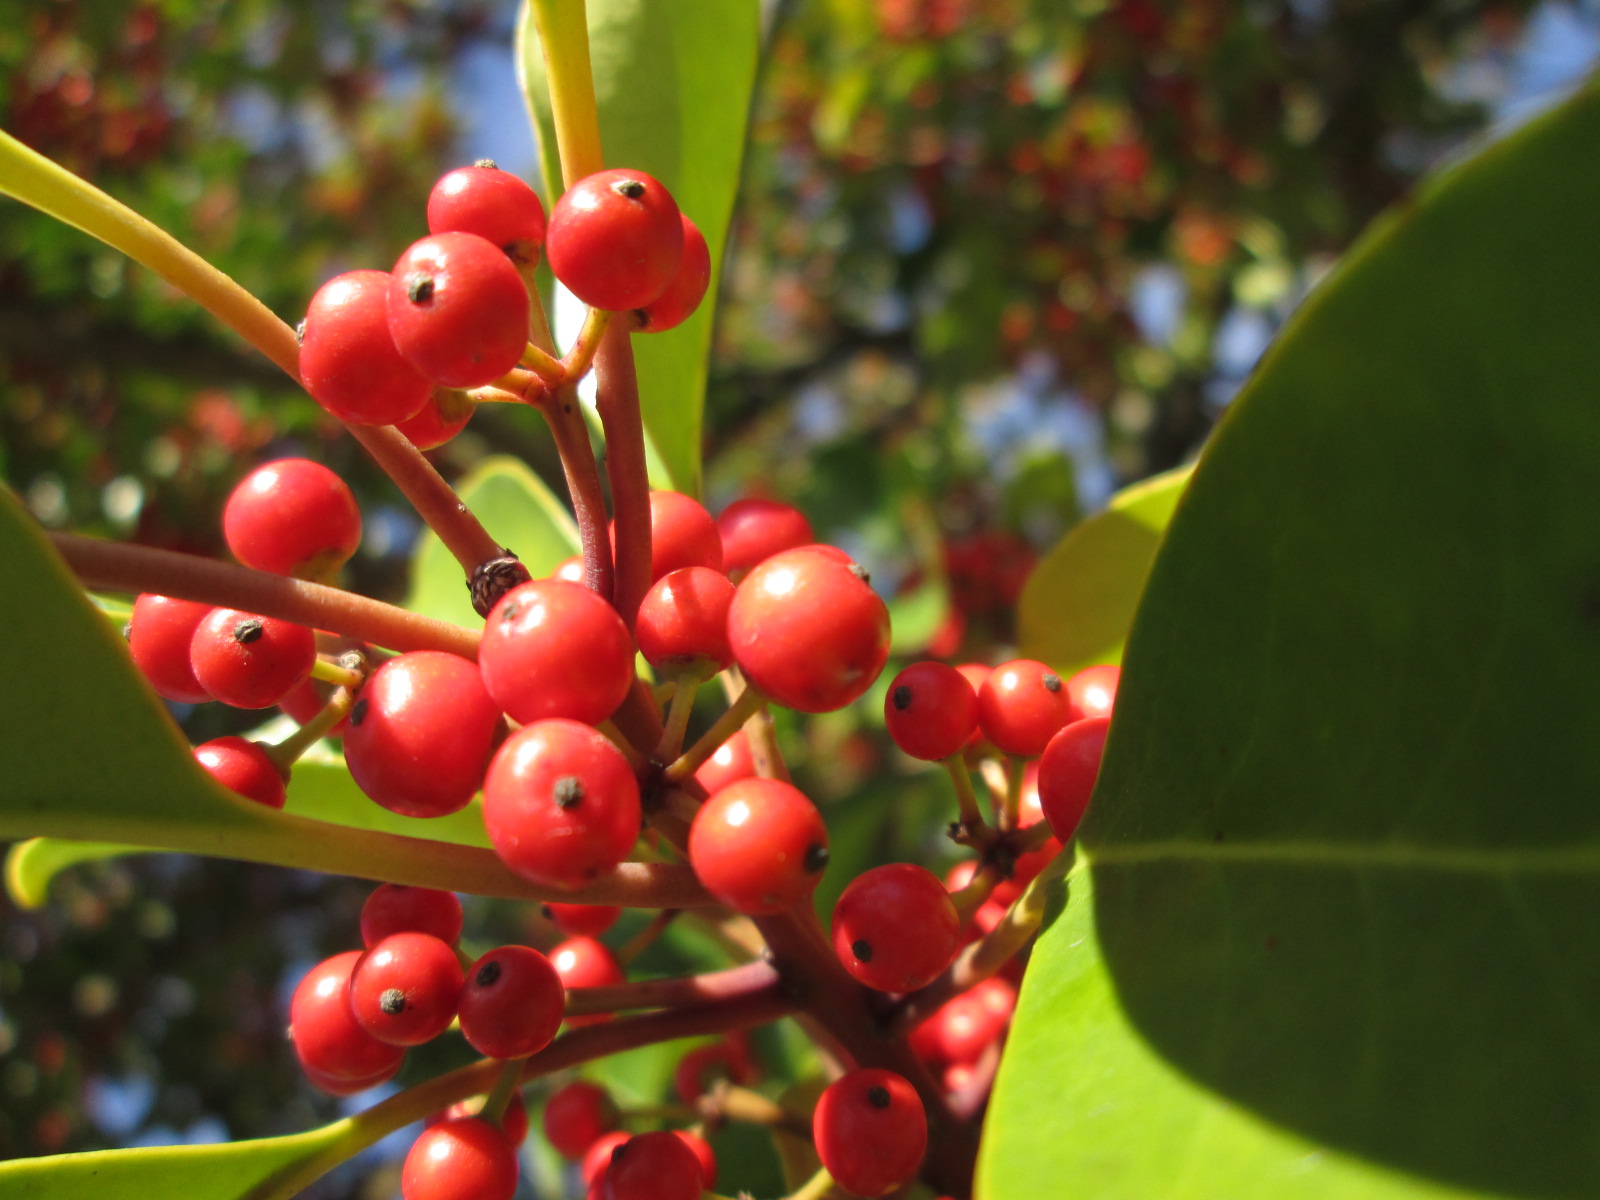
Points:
(871, 1131)
(511, 1004)
(513, 1122)
(688, 287)
(704, 1155)
(421, 732)
(895, 928)
(976, 674)
(1067, 773)
(962, 1029)
(561, 804)
(243, 767)
(683, 622)
(292, 517)
(555, 649)
(444, 415)
(583, 962)
(404, 990)
(597, 1158)
(463, 1159)
(494, 204)
(328, 1040)
(590, 920)
(931, 710)
(808, 630)
(1093, 691)
(682, 534)
(249, 661)
(160, 633)
(753, 530)
(1021, 706)
(698, 1068)
(349, 362)
(571, 569)
(1028, 865)
(654, 1166)
(306, 701)
(458, 309)
(615, 240)
(759, 846)
(729, 763)
(576, 1117)
(396, 908)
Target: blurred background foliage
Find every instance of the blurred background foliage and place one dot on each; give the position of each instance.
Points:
(993, 259)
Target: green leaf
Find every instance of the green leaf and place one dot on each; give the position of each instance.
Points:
(1080, 599)
(518, 511)
(673, 85)
(1345, 850)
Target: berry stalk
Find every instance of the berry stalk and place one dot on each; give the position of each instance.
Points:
(617, 398)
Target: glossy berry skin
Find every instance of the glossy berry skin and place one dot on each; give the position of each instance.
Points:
(808, 630)
(1093, 691)
(1067, 773)
(420, 734)
(682, 623)
(328, 1041)
(570, 569)
(682, 534)
(458, 309)
(552, 648)
(292, 517)
(895, 928)
(404, 989)
(395, 908)
(654, 1166)
(688, 287)
(584, 962)
(444, 415)
(871, 1131)
(615, 240)
(511, 1004)
(349, 362)
(976, 674)
(159, 635)
(960, 1030)
(1021, 706)
(759, 846)
(597, 1159)
(704, 1155)
(462, 1159)
(587, 920)
(493, 204)
(249, 661)
(513, 1122)
(561, 804)
(729, 763)
(753, 530)
(576, 1117)
(931, 711)
(243, 768)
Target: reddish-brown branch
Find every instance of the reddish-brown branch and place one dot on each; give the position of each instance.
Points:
(617, 398)
(746, 980)
(120, 567)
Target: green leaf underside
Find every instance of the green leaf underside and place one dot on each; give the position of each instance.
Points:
(673, 85)
(1080, 599)
(1346, 847)
(518, 511)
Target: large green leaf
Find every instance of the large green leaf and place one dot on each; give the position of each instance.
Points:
(518, 511)
(1345, 850)
(1079, 601)
(673, 84)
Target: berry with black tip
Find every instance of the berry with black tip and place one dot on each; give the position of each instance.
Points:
(552, 648)
(404, 989)
(249, 661)
(759, 845)
(458, 310)
(1021, 705)
(930, 710)
(615, 240)
(871, 1131)
(510, 1006)
(348, 360)
(895, 928)
(493, 204)
(337, 1053)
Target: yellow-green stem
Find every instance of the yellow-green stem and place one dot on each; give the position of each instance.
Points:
(331, 672)
(678, 713)
(564, 39)
(577, 361)
(494, 1108)
(749, 702)
(289, 751)
(972, 821)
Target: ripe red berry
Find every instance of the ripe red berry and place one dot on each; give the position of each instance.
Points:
(306, 701)
(249, 661)
(444, 415)
(404, 990)
(871, 1131)
(597, 1158)
(895, 928)
(555, 649)
(513, 1122)
(728, 1059)
(349, 362)
(976, 674)
(808, 630)
(688, 287)
(759, 846)
(1027, 866)
(1021, 706)
(654, 1166)
(396, 908)
(753, 530)
(463, 1159)
(458, 309)
(577, 1116)
(584, 962)
(571, 569)
(683, 622)
(682, 534)
(960, 1030)
(561, 804)
(590, 920)
(243, 767)
(511, 1004)
(494, 204)
(421, 732)
(328, 1040)
(704, 1155)
(1093, 691)
(615, 240)
(931, 710)
(292, 517)
(1067, 773)
(160, 633)
(729, 763)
